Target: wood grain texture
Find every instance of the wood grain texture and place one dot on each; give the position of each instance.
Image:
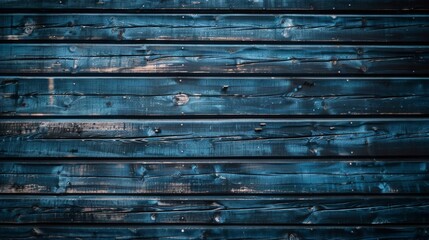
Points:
(214, 210)
(214, 232)
(219, 27)
(214, 178)
(161, 177)
(177, 96)
(214, 138)
(242, 119)
(213, 59)
(331, 5)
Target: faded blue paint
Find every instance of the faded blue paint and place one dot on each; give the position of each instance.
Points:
(270, 119)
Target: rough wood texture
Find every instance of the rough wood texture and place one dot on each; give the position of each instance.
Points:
(165, 96)
(240, 119)
(213, 59)
(219, 27)
(294, 177)
(136, 5)
(214, 232)
(214, 210)
(209, 138)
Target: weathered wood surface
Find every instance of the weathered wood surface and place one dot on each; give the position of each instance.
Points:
(214, 210)
(213, 59)
(140, 5)
(214, 232)
(165, 177)
(240, 119)
(177, 96)
(209, 138)
(219, 27)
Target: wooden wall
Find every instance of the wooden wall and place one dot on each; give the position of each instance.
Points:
(243, 119)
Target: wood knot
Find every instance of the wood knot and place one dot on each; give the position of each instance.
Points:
(181, 99)
(29, 27)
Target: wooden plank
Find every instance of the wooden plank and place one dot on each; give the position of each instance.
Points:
(213, 59)
(139, 5)
(175, 96)
(214, 210)
(214, 138)
(213, 232)
(169, 177)
(219, 27)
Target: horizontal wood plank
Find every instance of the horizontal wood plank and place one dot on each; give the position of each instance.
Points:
(357, 5)
(293, 177)
(220, 27)
(212, 59)
(214, 138)
(176, 96)
(214, 210)
(213, 232)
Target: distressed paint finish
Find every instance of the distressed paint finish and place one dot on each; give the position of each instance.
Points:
(219, 27)
(260, 5)
(213, 59)
(210, 177)
(214, 232)
(158, 96)
(180, 119)
(214, 210)
(208, 138)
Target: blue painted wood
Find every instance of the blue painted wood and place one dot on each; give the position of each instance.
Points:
(136, 5)
(178, 96)
(102, 138)
(176, 176)
(214, 210)
(216, 27)
(213, 59)
(213, 232)
(214, 138)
